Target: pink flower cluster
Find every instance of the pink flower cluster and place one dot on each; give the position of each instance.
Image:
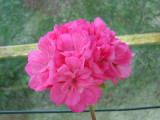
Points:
(74, 59)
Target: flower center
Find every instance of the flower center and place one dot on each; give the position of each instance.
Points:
(115, 65)
(102, 60)
(74, 81)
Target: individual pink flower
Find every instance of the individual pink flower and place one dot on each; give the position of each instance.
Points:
(111, 56)
(75, 59)
(75, 87)
(118, 62)
(39, 66)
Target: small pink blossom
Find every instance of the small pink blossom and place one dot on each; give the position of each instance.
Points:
(76, 87)
(39, 66)
(111, 56)
(74, 59)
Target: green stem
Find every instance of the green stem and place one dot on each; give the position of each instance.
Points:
(92, 112)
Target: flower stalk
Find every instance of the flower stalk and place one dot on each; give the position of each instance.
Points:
(92, 112)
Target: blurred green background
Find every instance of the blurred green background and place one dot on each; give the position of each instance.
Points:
(25, 21)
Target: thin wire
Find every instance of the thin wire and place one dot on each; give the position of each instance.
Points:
(68, 111)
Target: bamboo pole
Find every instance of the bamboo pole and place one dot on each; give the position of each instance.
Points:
(23, 50)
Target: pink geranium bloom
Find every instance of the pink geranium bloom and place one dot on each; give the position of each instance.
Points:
(74, 59)
(112, 57)
(118, 63)
(75, 87)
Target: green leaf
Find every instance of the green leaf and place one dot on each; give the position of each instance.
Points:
(102, 86)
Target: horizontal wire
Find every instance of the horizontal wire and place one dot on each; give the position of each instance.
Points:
(68, 111)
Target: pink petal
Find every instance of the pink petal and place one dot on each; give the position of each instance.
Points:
(112, 34)
(97, 82)
(99, 24)
(111, 54)
(51, 35)
(47, 47)
(57, 95)
(63, 73)
(79, 107)
(43, 77)
(85, 82)
(65, 43)
(86, 52)
(124, 71)
(111, 75)
(114, 81)
(67, 85)
(72, 62)
(58, 59)
(114, 69)
(76, 41)
(57, 31)
(34, 84)
(44, 44)
(96, 69)
(35, 56)
(133, 54)
(33, 68)
(70, 53)
(123, 55)
(84, 73)
(83, 77)
(40, 88)
(63, 28)
(90, 95)
(98, 79)
(73, 97)
(57, 79)
(80, 41)
(52, 72)
(64, 70)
